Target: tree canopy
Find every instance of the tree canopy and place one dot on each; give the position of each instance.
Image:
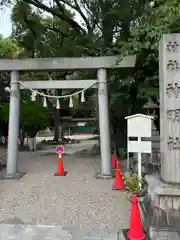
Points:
(72, 28)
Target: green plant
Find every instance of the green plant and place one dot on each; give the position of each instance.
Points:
(33, 116)
(132, 183)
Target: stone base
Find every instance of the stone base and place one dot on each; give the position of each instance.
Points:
(164, 234)
(14, 176)
(103, 176)
(165, 205)
(164, 196)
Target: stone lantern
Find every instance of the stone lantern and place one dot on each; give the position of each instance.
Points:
(151, 108)
(155, 139)
(152, 111)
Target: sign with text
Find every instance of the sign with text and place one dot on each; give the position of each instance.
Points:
(138, 126)
(169, 80)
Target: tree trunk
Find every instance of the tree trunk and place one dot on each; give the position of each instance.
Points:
(21, 137)
(56, 126)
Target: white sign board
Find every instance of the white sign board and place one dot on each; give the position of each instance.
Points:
(142, 147)
(138, 126)
(81, 124)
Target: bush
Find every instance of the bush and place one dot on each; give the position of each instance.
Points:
(132, 182)
(33, 116)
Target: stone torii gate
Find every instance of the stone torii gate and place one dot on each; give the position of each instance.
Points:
(54, 64)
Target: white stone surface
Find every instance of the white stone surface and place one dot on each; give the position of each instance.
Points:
(163, 235)
(50, 232)
(67, 63)
(57, 84)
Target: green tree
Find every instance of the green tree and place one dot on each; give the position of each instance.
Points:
(102, 22)
(112, 27)
(38, 36)
(130, 93)
(33, 116)
(8, 49)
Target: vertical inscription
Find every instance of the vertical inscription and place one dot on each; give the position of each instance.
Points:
(172, 47)
(173, 90)
(169, 69)
(173, 115)
(172, 65)
(173, 143)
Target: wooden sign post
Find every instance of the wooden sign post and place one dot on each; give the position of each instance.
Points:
(138, 127)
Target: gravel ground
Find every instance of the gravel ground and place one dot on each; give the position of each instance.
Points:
(77, 202)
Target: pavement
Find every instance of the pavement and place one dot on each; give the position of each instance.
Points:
(77, 206)
(69, 149)
(44, 135)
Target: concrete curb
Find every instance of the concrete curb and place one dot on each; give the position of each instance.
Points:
(120, 235)
(65, 154)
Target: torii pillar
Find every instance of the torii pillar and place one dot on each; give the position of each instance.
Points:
(106, 170)
(13, 131)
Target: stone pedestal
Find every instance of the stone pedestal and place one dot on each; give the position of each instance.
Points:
(165, 204)
(164, 196)
(164, 234)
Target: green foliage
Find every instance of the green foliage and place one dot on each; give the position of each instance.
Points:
(33, 116)
(108, 28)
(8, 48)
(144, 42)
(102, 22)
(4, 112)
(42, 36)
(129, 94)
(132, 182)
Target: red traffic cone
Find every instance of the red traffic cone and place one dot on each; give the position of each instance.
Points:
(118, 185)
(60, 167)
(114, 160)
(136, 229)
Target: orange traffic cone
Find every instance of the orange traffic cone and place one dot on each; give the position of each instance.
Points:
(114, 160)
(136, 229)
(60, 167)
(118, 185)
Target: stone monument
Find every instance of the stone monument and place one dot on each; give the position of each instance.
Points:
(164, 188)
